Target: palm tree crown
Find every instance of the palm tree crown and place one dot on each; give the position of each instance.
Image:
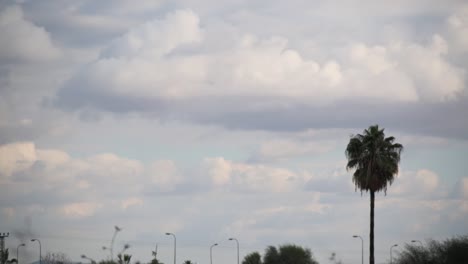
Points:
(375, 159)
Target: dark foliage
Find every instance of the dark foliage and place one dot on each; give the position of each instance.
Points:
(252, 258)
(374, 158)
(285, 254)
(4, 256)
(450, 251)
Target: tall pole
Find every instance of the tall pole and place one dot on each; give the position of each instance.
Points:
(211, 252)
(417, 241)
(17, 252)
(237, 242)
(362, 248)
(175, 245)
(40, 249)
(391, 258)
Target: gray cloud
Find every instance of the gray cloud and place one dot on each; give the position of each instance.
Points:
(371, 84)
(14, 27)
(87, 23)
(444, 119)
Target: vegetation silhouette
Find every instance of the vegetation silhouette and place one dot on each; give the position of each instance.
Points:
(4, 255)
(450, 251)
(155, 259)
(252, 258)
(375, 159)
(56, 258)
(288, 253)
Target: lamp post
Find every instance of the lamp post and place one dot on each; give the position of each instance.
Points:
(175, 245)
(362, 248)
(417, 241)
(237, 242)
(211, 252)
(391, 259)
(17, 251)
(40, 249)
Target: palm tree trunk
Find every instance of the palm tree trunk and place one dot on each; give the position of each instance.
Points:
(371, 236)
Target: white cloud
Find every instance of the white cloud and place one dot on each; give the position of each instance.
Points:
(261, 178)
(458, 29)
(54, 176)
(140, 61)
(22, 40)
(428, 179)
(374, 59)
(16, 157)
(163, 61)
(108, 167)
(409, 71)
(287, 148)
(79, 210)
(219, 170)
(133, 201)
(113, 179)
(435, 79)
(164, 174)
(263, 222)
(156, 38)
(421, 182)
(315, 206)
(262, 67)
(253, 178)
(52, 157)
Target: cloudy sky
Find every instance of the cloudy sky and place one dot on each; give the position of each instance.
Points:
(228, 118)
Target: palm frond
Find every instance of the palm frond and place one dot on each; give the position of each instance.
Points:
(374, 158)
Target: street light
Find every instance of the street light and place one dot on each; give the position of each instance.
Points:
(391, 259)
(40, 249)
(175, 244)
(17, 250)
(237, 242)
(362, 248)
(211, 252)
(417, 241)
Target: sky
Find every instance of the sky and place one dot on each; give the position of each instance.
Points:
(213, 119)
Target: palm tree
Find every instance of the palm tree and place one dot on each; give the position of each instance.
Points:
(375, 159)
